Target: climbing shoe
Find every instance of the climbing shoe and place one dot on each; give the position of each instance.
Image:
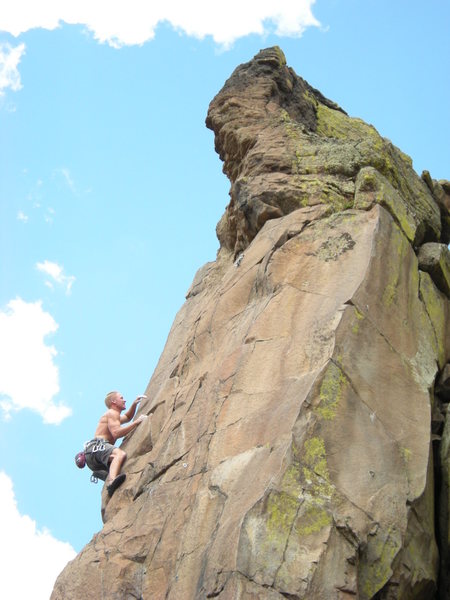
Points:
(112, 487)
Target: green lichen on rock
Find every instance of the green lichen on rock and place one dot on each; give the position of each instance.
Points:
(401, 248)
(360, 146)
(333, 247)
(358, 318)
(330, 393)
(435, 303)
(390, 293)
(372, 149)
(291, 127)
(281, 511)
(313, 190)
(291, 482)
(306, 491)
(406, 453)
(297, 508)
(336, 201)
(315, 471)
(376, 565)
(372, 187)
(312, 518)
(336, 124)
(280, 54)
(365, 188)
(354, 145)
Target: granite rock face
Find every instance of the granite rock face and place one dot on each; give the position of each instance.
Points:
(294, 449)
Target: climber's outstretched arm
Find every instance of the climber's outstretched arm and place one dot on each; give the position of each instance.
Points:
(117, 429)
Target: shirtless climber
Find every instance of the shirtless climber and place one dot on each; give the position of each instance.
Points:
(101, 455)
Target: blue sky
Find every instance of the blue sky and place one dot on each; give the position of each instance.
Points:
(110, 191)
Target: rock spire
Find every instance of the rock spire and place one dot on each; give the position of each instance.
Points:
(299, 443)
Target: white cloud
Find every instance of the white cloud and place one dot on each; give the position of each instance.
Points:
(129, 22)
(23, 545)
(21, 216)
(29, 377)
(9, 61)
(56, 273)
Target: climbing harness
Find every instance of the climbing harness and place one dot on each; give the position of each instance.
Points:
(98, 446)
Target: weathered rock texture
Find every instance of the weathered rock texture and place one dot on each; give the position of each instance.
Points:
(294, 448)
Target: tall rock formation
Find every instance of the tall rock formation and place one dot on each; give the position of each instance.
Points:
(297, 409)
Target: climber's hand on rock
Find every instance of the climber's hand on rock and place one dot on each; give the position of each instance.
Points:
(139, 398)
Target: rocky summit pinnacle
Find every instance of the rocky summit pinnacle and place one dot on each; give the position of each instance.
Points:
(285, 146)
(300, 439)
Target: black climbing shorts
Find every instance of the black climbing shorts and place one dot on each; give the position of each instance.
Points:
(98, 453)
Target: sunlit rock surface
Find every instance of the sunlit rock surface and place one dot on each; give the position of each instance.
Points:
(294, 449)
